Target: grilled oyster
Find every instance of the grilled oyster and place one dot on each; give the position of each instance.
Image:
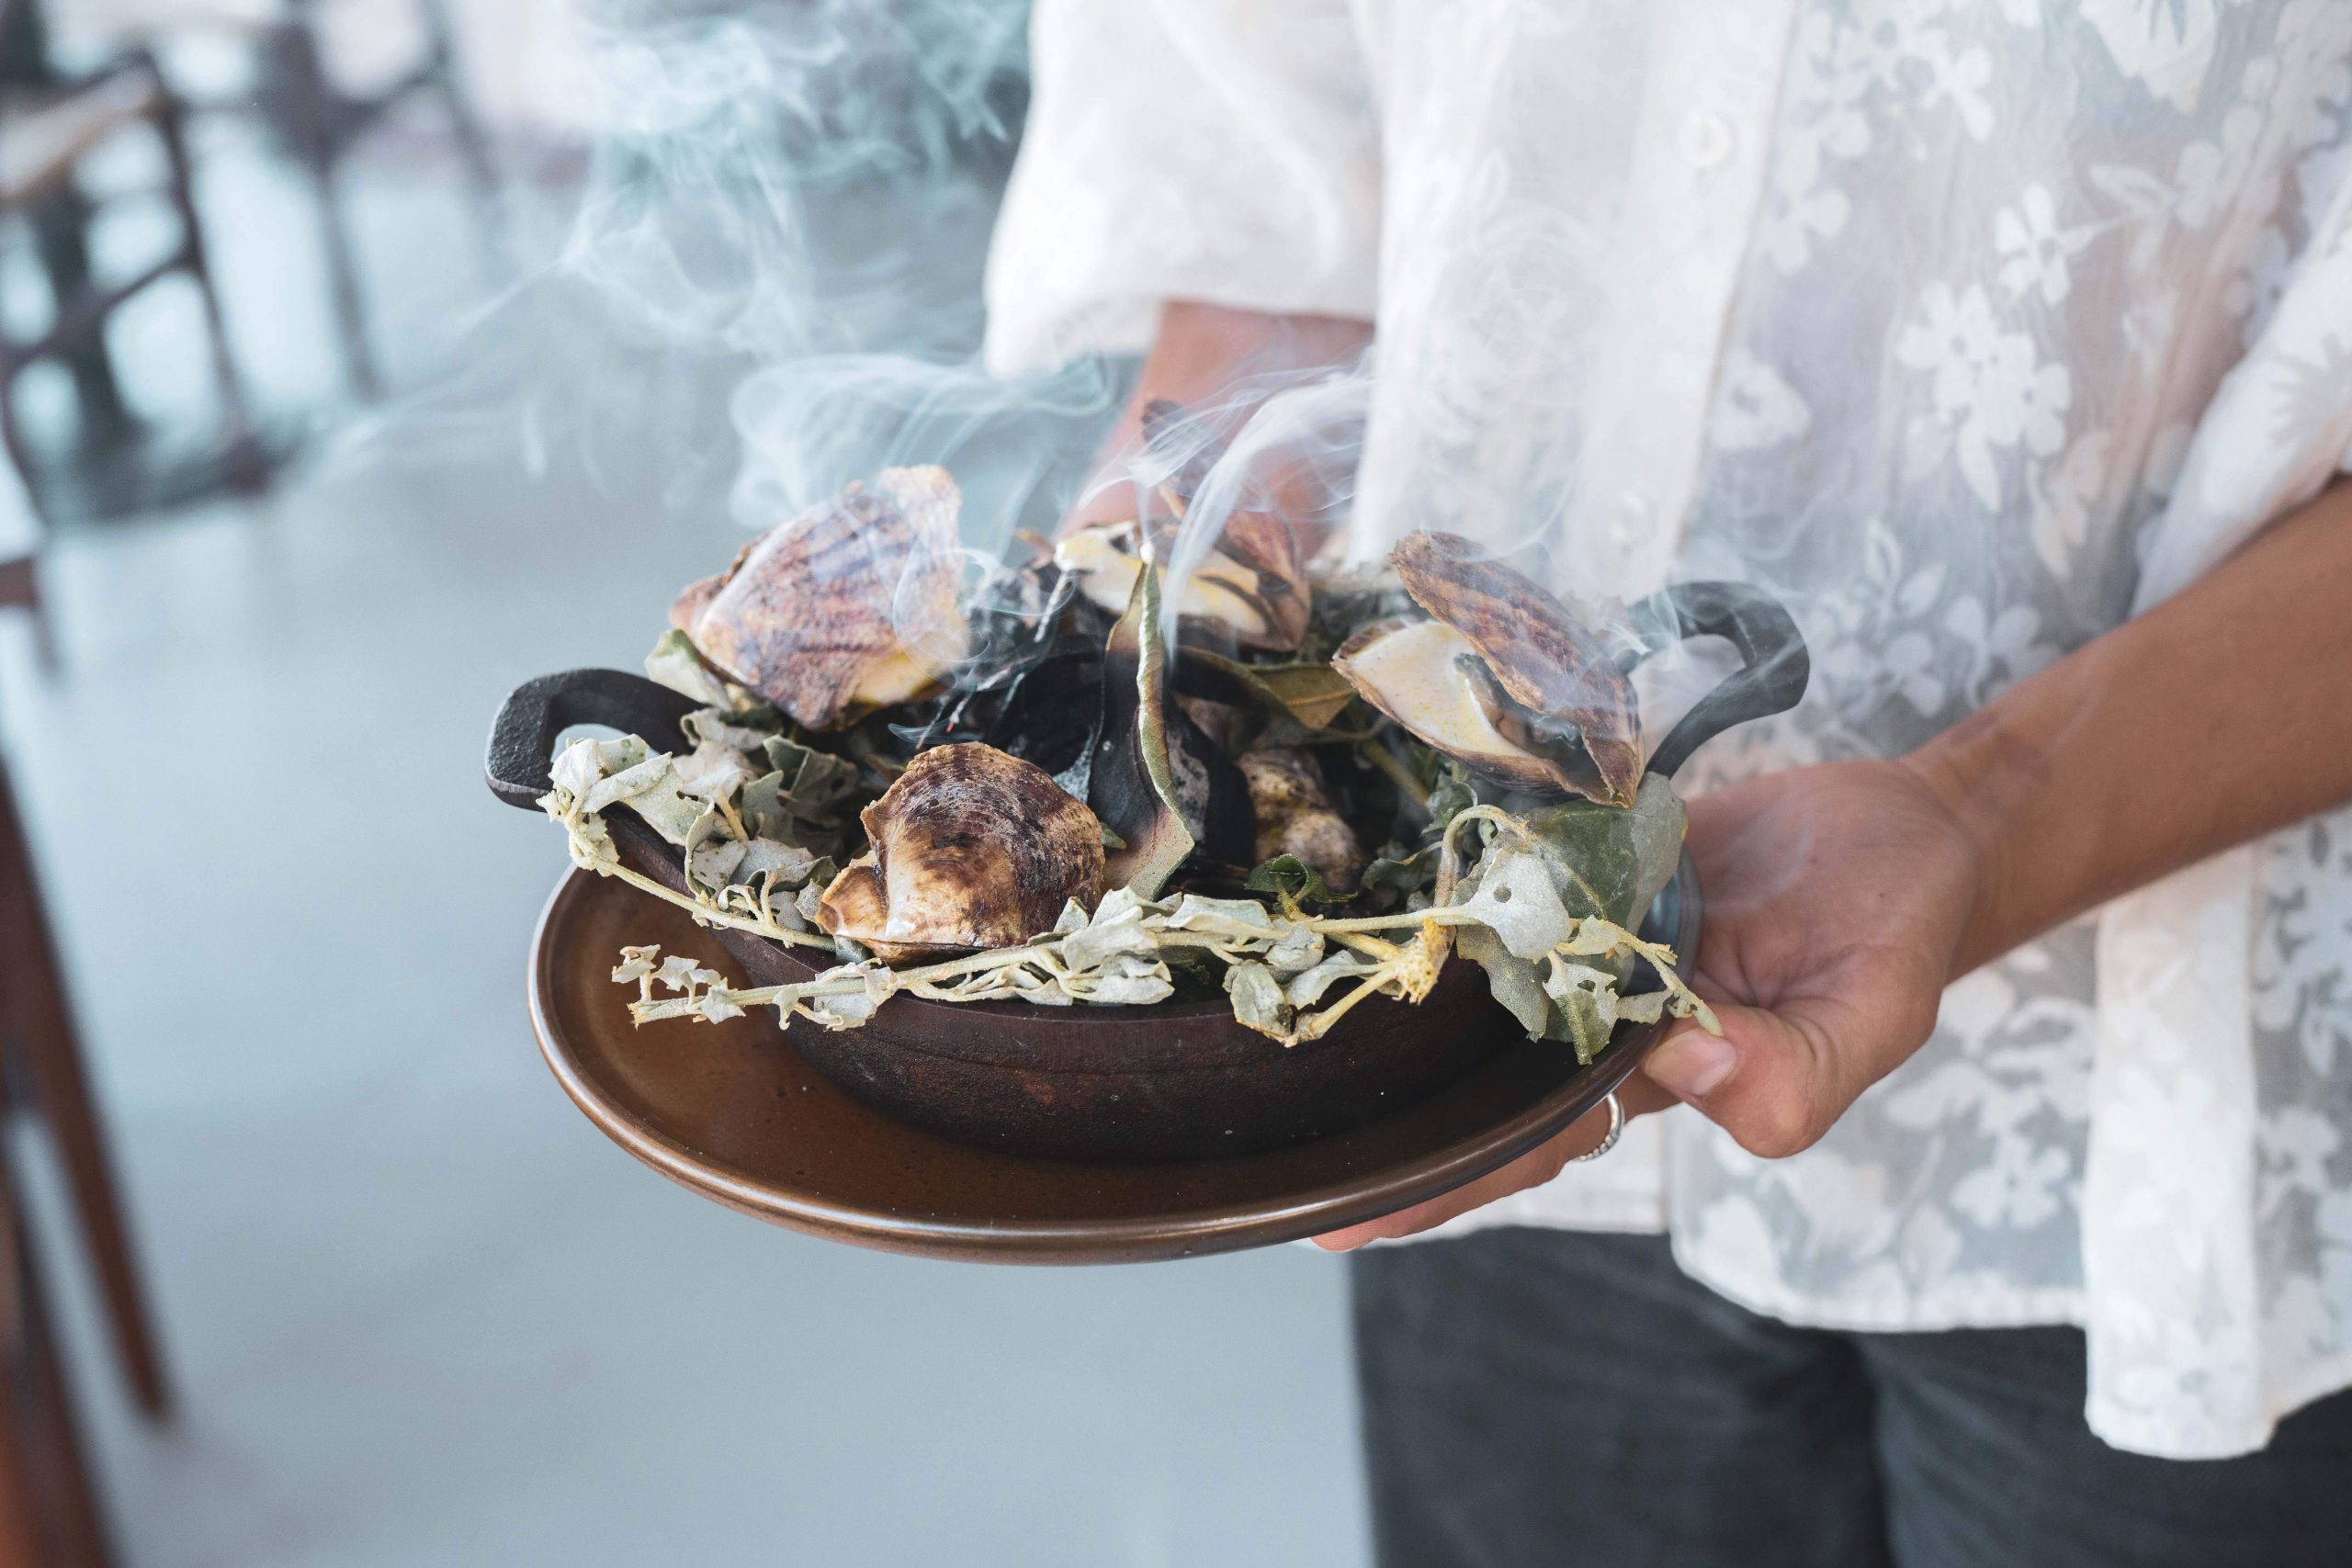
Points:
(1295, 816)
(1256, 607)
(973, 848)
(1428, 677)
(1260, 539)
(1556, 694)
(851, 605)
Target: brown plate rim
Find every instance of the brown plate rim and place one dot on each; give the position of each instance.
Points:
(1163, 1235)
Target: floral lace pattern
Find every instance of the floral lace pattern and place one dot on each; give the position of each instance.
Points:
(1970, 328)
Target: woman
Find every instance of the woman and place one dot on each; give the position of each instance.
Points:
(2012, 345)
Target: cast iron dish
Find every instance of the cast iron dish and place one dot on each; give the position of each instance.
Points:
(1174, 1081)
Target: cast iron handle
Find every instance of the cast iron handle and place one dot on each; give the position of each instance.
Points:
(523, 736)
(1773, 668)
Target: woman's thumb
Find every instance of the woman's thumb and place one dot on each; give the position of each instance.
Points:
(1765, 1080)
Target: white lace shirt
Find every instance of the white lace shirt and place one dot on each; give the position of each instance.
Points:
(1970, 329)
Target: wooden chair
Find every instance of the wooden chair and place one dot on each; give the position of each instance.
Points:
(49, 1513)
(47, 131)
(320, 122)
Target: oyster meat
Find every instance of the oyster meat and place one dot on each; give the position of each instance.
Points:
(971, 849)
(1538, 679)
(1428, 678)
(1295, 816)
(1262, 540)
(850, 607)
(1257, 609)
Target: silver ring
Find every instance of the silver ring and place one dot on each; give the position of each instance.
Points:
(1608, 1139)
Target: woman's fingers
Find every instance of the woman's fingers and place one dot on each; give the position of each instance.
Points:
(1533, 1168)
(1760, 1080)
(1778, 1078)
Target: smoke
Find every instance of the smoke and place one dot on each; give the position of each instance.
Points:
(769, 284)
(772, 282)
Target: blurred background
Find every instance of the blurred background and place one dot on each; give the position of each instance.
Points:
(363, 358)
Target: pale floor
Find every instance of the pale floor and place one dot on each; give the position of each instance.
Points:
(420, 1312)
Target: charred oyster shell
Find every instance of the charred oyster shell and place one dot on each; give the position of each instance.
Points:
(1566, 695)
(850, 607)
(972, 848)
(1428, 678)
(1262, 540)
(1254, 607)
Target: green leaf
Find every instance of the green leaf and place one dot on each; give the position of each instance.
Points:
(1611, 860)
(1452, 794)
(1413, 873)
(1288, 874)
(1310, 692)
(1133, 790)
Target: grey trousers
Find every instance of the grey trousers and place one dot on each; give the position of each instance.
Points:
(1547, 1397)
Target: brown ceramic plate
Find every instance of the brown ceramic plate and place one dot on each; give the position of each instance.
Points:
(733, 1112)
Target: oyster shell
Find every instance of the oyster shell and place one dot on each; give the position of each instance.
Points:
(1262, 540)
(1560, 672)
(1255, 607)
(972, 848)
(851, 605)
(1428, 677)
(1295, 816)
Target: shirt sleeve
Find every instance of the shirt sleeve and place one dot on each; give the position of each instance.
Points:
(1224, 151)
(2280, 426)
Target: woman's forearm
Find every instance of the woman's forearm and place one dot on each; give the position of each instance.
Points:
(2219, 715)
(1199, 352)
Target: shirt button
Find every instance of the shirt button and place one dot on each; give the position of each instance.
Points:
(1706, 138)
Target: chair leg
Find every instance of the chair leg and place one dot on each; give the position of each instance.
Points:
(236, 412)
(49, 1054)
(49, 1511)
(20, 579)
(465, 128)
(295, 54)
(20, 590)
(61, 236)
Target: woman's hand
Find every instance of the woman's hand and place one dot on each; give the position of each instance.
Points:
(1842, 898)
(1837, 898)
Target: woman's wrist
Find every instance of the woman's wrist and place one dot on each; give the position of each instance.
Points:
(1974, 781)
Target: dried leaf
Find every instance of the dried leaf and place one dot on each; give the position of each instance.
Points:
(1513, 981)
(1299, 947)
(1258, 999)
(1303, 990)
(1097, 944)
(1516, 899)
(674, 663)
